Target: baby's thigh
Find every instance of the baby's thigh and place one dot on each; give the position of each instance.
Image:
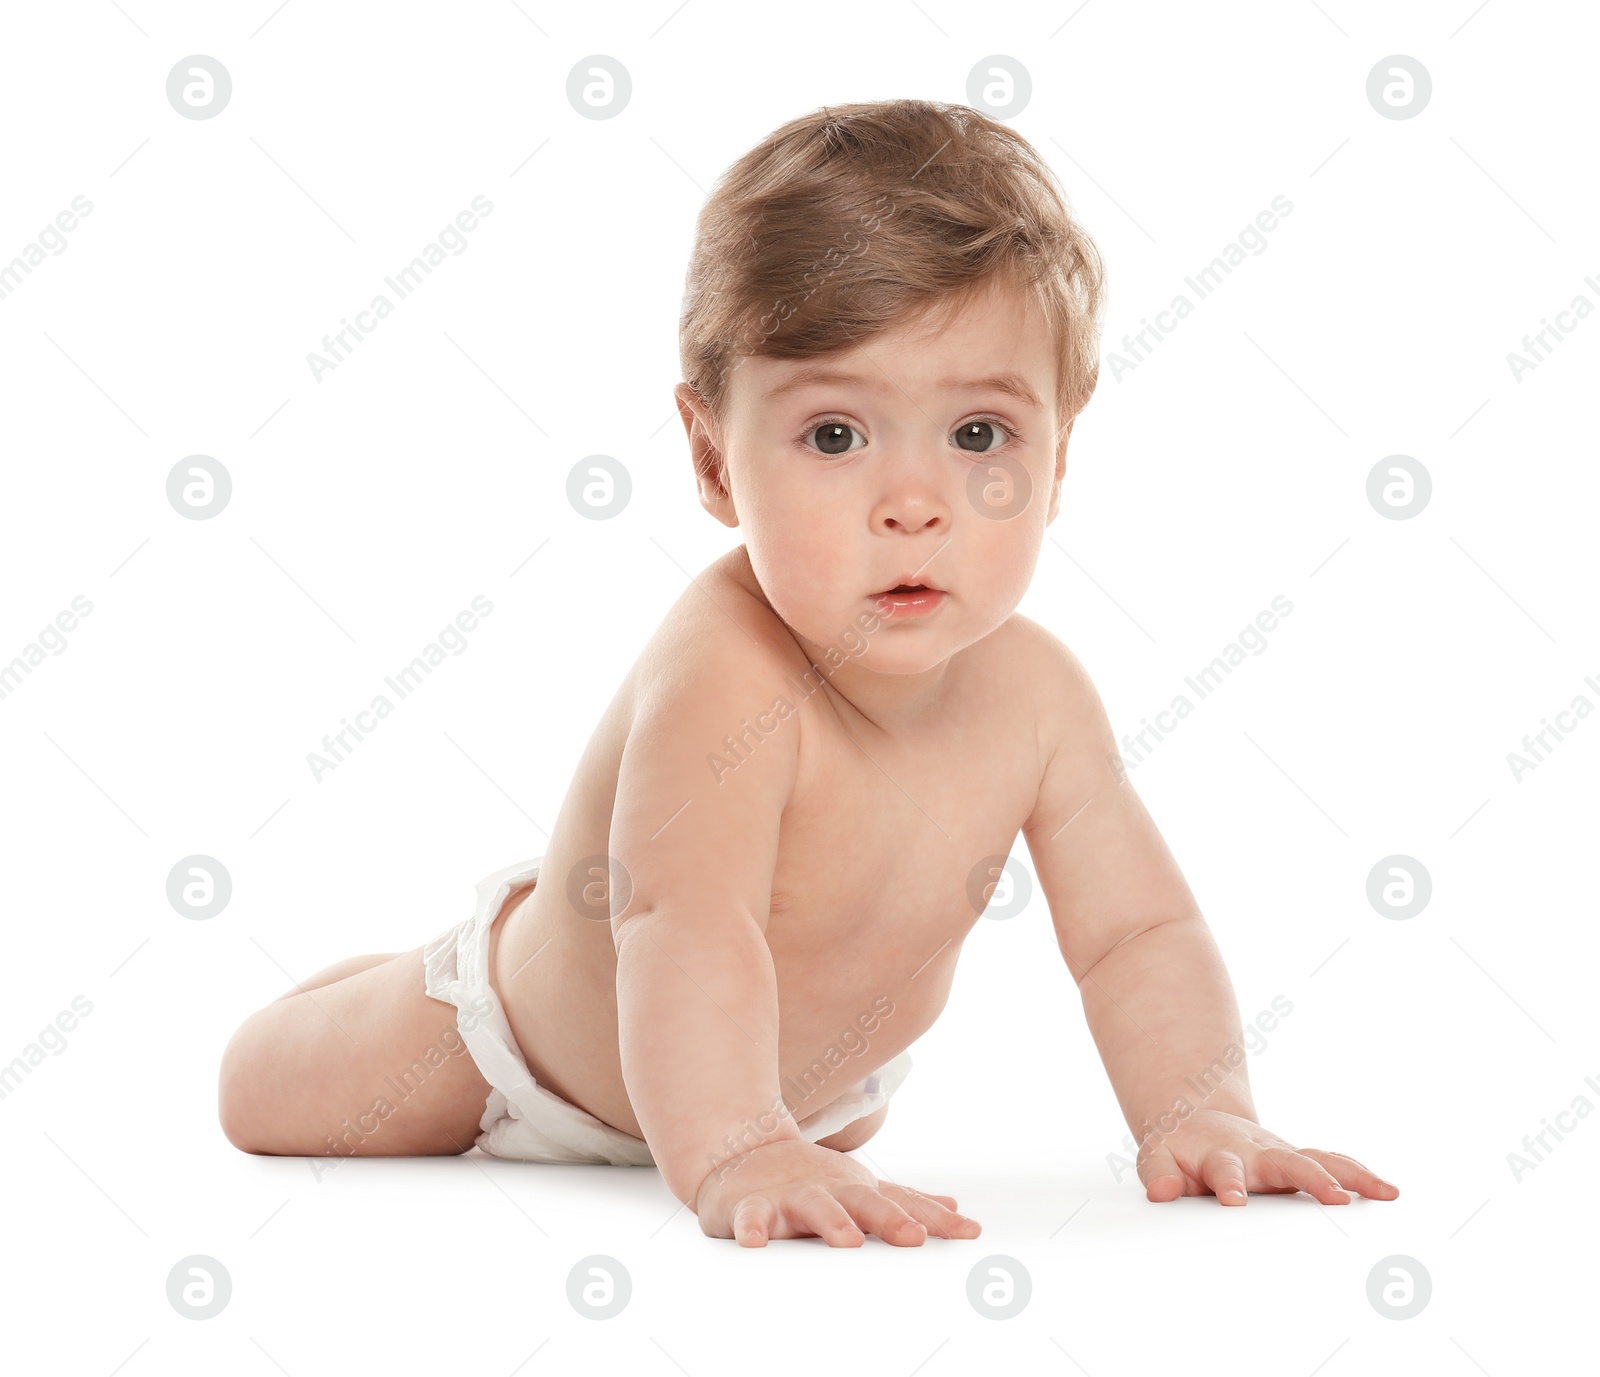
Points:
(853, 1135)
(368, 1065)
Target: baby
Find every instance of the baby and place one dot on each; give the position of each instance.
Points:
(803, 795)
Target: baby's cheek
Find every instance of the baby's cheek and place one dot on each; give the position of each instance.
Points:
(1010, 563)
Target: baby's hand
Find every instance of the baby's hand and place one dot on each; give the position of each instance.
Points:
(1222, 1154)
(791, 1189)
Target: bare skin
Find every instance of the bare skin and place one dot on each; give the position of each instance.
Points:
(796, 885)
(868, 901)
(868, 896)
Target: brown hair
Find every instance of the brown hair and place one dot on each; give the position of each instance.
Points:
(855, 218)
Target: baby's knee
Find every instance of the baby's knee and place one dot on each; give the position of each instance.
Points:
(235, 1104)
(853, 1135)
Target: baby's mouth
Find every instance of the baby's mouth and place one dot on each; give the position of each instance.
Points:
(907, 601)
(904, 589)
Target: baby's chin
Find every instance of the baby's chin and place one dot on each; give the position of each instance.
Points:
(866, 643)
(904, 661)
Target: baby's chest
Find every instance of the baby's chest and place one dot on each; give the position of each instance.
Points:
(888, 844)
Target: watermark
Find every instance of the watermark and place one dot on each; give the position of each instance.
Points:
(739, 749)
(452, 639)
(1137, 748)
(449, 1044)
(199, 87)
(1140, 345)
(1000, 86)
(1253, 1041)
(999, 887)
(851, 1045)
(599, 1287)
(736, 750)
(999, 1287)
(199, 487)
(749, 1134)
(1538, 346)
(51, 1039)
(1537, 746)
(853, 243)
(1399, 887)
(50, 640)
(999, 488)
(599, 487)
(52, 240)
(1399, 487)
(1399, 1287)
(338, 345)
(1536, 1147)
(754, 332)
(599, 87)
(199, 1287)
(598, 883)
(1398, 87)
(199, 887)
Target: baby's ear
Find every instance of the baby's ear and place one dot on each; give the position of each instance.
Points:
(705, 452)
(1061, 439)
(1062, 436)
(689, 405)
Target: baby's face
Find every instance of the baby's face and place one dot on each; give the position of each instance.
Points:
(912, 459)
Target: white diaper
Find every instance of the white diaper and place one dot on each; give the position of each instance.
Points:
(523, 1120)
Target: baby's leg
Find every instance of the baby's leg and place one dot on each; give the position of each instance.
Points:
(853, 1135)
(366, 1064)
(352, 965)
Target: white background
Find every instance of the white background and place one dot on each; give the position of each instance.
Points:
(369, 508)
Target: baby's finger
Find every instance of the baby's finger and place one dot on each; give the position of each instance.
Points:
(1159, 1172)
(1301, 1173)
(824, 1216)
(877, 1214)
(1223, 1171)
(937, 1218)
(753, 1218)
(1349, 1173)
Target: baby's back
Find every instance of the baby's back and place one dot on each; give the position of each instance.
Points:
(872, 881)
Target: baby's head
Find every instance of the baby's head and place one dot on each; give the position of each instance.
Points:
(890, 322)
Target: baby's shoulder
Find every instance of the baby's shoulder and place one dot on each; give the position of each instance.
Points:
(1048, 681)
(719, 635)
(1032, 656)
(1020, 638)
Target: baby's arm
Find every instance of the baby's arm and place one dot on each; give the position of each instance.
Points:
(1155, 991)
(697, 1000)
(697, 995)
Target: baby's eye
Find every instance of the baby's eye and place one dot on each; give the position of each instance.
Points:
(977, 435)
(833, 437)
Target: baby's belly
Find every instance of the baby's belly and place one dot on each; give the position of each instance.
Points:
(560, 1000)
